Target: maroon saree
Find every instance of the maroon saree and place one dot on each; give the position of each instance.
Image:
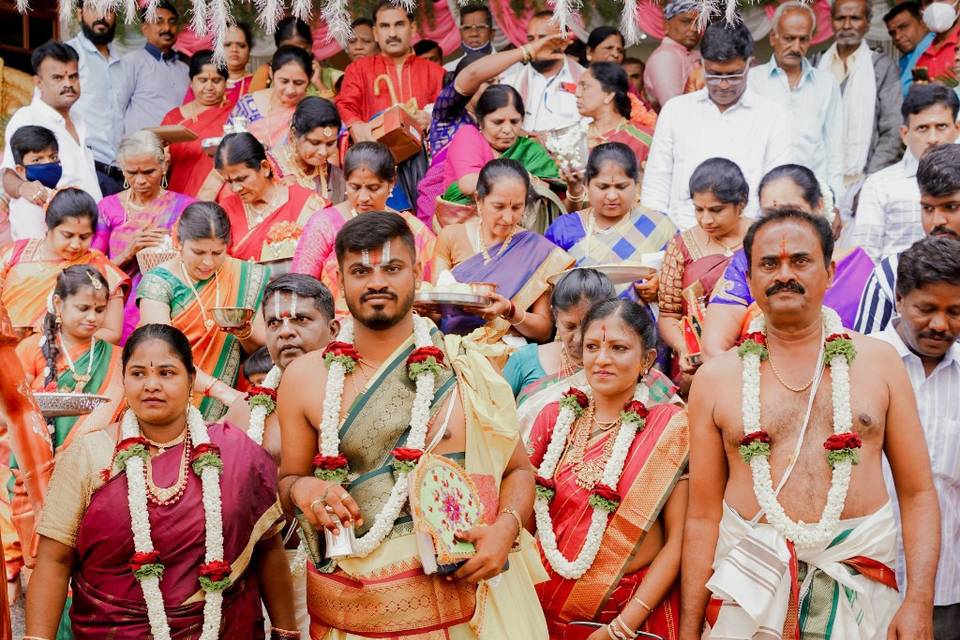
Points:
(107, 599)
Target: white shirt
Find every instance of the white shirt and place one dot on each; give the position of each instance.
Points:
(754, 133)
(75, 157)
(888, 215)
(550, 103)
(938, 399)
(816, 117)
(97, 105)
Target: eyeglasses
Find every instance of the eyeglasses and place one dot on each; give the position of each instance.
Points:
(733, 78)
(474, 27)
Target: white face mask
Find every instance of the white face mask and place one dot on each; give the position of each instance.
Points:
(939, 16)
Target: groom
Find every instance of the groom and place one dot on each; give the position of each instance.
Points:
(472, 420)
(750, 579)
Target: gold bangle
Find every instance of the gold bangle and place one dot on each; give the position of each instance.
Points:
(642, 604)
(516, 515)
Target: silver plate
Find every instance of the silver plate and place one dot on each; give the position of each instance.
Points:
(56, 404)
(622, 273)
(449, 298)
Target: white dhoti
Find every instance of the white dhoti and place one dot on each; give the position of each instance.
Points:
(845, 589)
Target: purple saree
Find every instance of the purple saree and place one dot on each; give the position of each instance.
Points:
(520, 274)
(107, 599)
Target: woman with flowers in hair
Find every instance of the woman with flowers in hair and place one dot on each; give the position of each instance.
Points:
(611, 491)
(162, 494)
(68, 357)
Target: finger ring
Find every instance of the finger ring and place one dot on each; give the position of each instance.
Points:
(323, 498)
(313, 505)
(328, 508)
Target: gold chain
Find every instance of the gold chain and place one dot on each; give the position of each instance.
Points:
(207, 322)
(80, 380)
(162, 496)
(776, 374)
(482, 248)
(590, 472)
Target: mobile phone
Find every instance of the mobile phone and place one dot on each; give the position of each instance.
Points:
(921, 75)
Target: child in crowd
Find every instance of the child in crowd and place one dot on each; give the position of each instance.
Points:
(256, 367)
(36, 155)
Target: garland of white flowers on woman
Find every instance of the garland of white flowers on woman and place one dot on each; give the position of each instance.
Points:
(842, 447)
(131, 455)
(604, 498)
(423, 367)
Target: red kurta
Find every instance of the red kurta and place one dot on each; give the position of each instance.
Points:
(416, 78)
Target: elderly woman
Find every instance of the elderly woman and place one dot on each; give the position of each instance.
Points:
(267, 113)
(141, 216)
(191, 169)
(29, 268)
(499, 114)
(492, 247)
(258, 204)
(696, 258)
(306, 156)
(605, 44)
(614, 228)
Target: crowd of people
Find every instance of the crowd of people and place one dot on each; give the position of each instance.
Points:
(543, 342)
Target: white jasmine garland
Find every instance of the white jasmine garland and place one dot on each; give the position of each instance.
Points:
(803, 534)
(419, 418)
(258, 412)
(573, 570)
(140, 524)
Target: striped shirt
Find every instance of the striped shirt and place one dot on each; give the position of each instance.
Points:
(877, 303)
(938, 401)
(888, 212)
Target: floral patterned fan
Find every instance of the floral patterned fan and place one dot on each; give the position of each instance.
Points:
(444, 501)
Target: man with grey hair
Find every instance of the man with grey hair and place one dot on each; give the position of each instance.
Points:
(872, 94)
(811, 96)
(674, 67)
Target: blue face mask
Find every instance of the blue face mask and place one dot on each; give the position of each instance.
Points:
(48, 174)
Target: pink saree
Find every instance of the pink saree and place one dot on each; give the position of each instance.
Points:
(107, 599)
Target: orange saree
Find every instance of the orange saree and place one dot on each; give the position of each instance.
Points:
(216, 352)
(27, 277)
(654, 465)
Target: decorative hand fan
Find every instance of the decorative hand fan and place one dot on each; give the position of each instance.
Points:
(443, 502)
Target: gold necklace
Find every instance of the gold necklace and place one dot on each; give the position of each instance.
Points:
(162, 496)
(259, 213)
(163, 446)
(80, 380)
(567, 367)
(131, 205)
(207, 322)
(482, 248)
(589, 472)
(727, 251)
(776, 374)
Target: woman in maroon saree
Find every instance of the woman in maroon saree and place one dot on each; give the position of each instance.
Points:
(632, 583)
(696, 258)
(86, 531)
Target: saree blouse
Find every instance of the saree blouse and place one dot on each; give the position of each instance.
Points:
(684, 263)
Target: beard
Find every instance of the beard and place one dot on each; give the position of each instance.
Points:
(99, 38)
(379, 319)
(541, 66)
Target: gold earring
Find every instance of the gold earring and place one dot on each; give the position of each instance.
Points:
(126, 185)
(163, 182)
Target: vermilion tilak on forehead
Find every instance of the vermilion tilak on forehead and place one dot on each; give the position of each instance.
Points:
(783, 248)
(603, 332)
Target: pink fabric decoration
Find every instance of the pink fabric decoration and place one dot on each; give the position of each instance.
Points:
(650, 18)
(515, 26)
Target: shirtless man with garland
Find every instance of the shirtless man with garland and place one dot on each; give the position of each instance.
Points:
(754, 572)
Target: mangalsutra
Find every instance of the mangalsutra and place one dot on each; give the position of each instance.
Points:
(207, 322)
(259, 213)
